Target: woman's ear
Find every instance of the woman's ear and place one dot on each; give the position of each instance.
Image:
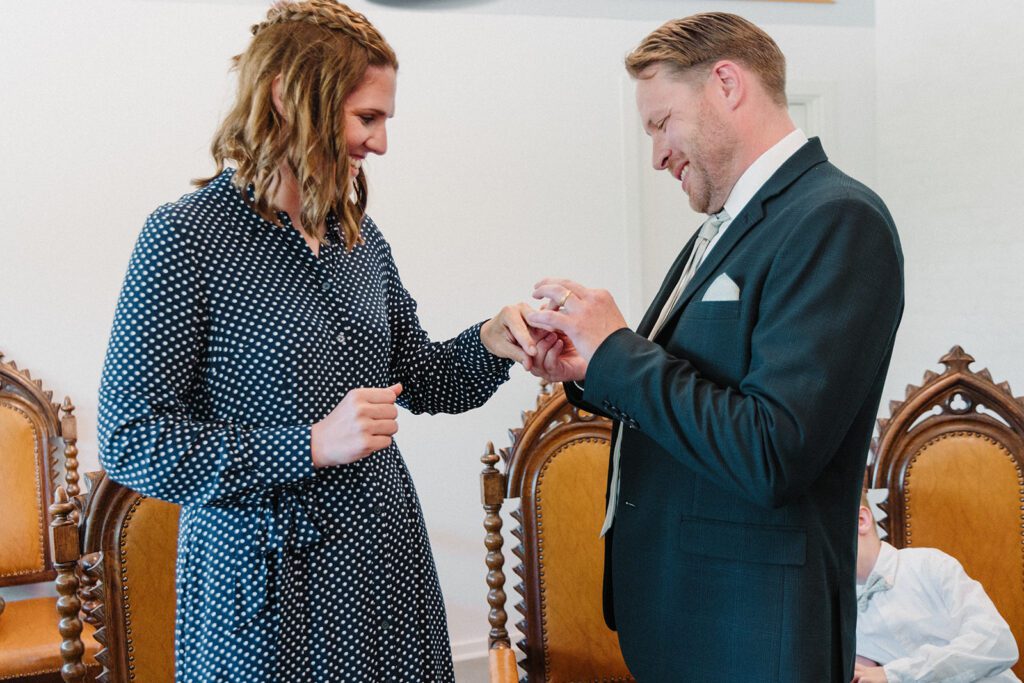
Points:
(275, 94)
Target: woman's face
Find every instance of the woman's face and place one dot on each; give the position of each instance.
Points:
(366, 113)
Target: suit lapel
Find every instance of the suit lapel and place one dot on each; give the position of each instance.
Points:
(667, 285)
(805, 158)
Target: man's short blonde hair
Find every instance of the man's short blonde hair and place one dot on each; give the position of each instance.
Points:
(685, 46)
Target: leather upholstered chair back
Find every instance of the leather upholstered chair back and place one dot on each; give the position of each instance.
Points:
(952, 457)
(128, 548)
(30, 431)
(557, 468)
(32, 428)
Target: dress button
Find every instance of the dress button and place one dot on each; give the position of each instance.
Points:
(325, 286)
(378, 509)
(341, 338)
(385, 625)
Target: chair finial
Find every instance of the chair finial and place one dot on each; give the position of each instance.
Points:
(957, 360)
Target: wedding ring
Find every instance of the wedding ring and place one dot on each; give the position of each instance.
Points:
(565, 298)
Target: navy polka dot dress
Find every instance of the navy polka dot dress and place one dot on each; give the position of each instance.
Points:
(230, 340)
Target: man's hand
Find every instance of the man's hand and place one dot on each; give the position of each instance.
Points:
(362, 423)
(557, 360)
(507, 335)
(585, 316)
(868, 674)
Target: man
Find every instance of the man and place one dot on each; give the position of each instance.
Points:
(744, 408)
(922, 618)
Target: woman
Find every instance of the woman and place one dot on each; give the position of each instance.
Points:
(261, 342)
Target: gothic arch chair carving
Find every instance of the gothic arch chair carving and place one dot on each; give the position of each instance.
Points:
(32, 428)
(557, 468)
(119, 556)
(952, 457)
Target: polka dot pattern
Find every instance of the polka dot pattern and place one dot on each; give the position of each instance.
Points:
(230, 339)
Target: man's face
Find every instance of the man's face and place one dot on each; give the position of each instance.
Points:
(690, 137)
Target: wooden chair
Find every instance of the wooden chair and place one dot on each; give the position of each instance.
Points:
(952, 457)
(117, 549)
(31, 430)
(557, 468)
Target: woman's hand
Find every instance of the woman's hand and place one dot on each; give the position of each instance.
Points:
(362, 423)
(507, 335)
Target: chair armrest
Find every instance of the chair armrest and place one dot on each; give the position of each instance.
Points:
(502, 665)
(66, 553)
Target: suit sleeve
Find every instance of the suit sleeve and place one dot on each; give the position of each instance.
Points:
(574, 394)
(828, 312)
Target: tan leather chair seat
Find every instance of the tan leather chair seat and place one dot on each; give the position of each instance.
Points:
(30, 641)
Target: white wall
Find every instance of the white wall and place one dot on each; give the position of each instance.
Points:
(950, 140)
(505, 166)
(513, 156)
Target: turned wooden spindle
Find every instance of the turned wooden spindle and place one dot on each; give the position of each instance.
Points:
(69, 432)
(492, 493)
(65, 555)
(91, 592)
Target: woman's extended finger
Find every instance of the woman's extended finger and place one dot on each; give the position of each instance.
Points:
(513, 320)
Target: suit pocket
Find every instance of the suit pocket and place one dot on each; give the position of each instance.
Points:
(743, 542)
(712, 310)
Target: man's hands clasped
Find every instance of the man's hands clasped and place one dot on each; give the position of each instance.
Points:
(557, 341)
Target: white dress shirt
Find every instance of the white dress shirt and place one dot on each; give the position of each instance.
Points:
(756, 175)
(934, 623)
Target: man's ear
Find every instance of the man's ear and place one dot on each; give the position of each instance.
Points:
(275, 94)
(729, 82)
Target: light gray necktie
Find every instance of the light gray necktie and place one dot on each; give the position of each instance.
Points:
(876, 583)
(704, 237)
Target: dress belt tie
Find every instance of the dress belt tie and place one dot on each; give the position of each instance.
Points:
(284, 525)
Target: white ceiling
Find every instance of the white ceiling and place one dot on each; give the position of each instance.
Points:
(841, 13)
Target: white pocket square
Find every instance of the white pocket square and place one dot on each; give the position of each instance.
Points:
(722, 289)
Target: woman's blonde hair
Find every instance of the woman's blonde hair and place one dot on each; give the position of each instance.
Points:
(322, 50)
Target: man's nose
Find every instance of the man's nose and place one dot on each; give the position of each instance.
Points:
(660, 158)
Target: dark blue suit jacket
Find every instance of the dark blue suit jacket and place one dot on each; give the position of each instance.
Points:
(747, 426)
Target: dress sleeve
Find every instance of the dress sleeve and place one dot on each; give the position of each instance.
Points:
(983, 645)
(149, 436)
(437, 377)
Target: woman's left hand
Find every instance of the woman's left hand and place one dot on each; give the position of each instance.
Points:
(507, 335)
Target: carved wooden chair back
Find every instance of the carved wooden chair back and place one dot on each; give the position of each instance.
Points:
(120, 559)
(557, 468)
(32, 428)
(952, 457)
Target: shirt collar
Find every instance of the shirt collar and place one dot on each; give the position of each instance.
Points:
(763, 168)
(887, 563)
